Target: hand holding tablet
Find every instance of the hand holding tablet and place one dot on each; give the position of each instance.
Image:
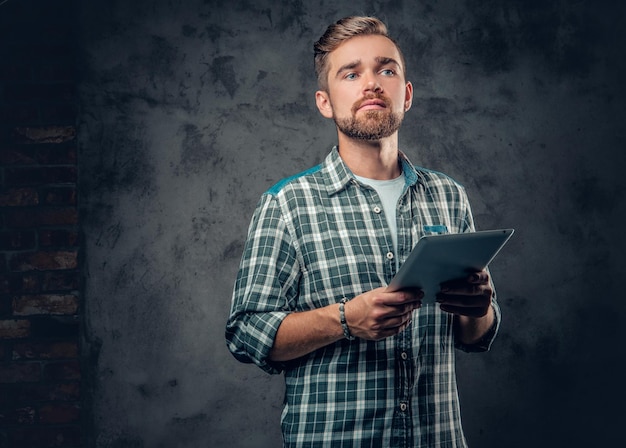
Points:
(436, 259)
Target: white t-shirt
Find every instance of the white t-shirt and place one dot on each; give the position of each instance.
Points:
(389, 192)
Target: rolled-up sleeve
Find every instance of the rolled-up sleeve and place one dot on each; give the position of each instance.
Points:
(265, 289)
(484, 343)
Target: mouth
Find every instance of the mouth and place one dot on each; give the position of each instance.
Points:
(372, 104)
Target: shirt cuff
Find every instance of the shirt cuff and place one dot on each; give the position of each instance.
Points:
(484, 343)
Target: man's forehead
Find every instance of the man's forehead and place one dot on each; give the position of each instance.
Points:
(368, 48)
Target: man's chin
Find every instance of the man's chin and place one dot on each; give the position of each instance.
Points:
(367, 135)
(369, 129)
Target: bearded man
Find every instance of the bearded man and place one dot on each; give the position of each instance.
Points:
(363, 366)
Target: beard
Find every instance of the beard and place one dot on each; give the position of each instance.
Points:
(372, 124)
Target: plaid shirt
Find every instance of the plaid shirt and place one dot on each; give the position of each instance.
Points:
(316, 238)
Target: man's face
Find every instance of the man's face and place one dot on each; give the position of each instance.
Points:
(367, 93)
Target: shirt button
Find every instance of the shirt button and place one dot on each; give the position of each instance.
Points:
(404, 356)
(377, 210)
(389, 255)
(403, 407)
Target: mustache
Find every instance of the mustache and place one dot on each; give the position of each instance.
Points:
(380, 97)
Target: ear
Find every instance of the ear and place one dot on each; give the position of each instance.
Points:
(408, 96)
(322, 100)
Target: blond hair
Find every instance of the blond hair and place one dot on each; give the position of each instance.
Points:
(338, 33)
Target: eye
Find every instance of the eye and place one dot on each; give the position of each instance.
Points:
(351, 76)
(388, 72)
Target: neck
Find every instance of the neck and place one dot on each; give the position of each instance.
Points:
(371, 159)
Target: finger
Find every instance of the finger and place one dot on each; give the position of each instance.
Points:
(465, 311)
(415, 292)
(404, 322)
(464, 301)
(481, 277)
(475, 278)
(466, 289)
(390, 327)
(406, 325)
(403, 311)
(403, 297)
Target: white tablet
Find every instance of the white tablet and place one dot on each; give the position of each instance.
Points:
(438, 258)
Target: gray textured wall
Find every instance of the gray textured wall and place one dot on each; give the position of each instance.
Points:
(191, 109)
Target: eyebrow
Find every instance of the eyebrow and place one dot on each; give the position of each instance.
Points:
(381, 60)
(385, 61)
(349, 66)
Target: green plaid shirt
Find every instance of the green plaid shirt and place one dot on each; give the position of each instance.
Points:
(316, 238)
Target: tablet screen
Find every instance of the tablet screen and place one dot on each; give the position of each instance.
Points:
(438, 258)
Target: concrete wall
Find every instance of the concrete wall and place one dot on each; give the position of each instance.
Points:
(191, 109)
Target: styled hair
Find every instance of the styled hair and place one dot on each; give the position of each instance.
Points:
(341, 31)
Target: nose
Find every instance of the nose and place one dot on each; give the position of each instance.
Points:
(372, 84)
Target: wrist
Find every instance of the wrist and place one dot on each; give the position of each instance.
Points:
(342, 320)
(473, 329)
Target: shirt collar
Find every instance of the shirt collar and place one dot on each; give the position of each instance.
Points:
(340, 176)
(411, 174)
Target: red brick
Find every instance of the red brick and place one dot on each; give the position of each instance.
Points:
(65, 370)
(37, 69)
(60, 281)
(15, 197)
(21, 416)
(59, 413)
(19, 282)
(33, 176)
(44, 134)
(59, 196)
(16, 157)
(17, 240)
(14, 329)
(58, 238)
(59, 154)
(45, 350)
(33, 218)
(65, 391)
(20, 372)
(66, 305)
(44, 261)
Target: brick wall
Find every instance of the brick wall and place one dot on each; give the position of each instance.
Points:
(40, 300)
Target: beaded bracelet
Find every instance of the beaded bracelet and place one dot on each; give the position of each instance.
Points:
(342, 319)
